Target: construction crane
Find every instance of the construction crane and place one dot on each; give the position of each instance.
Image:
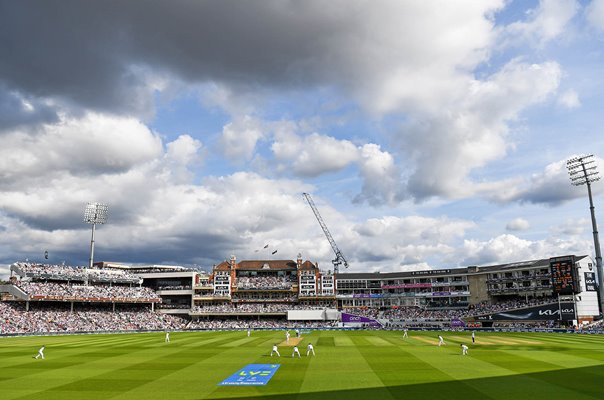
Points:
(339, 256)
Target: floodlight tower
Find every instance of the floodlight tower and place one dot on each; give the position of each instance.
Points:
(583, 171)
(95, 213)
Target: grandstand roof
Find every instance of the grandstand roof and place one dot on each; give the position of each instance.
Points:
(371, 275)
(137, 267)
(540, 263)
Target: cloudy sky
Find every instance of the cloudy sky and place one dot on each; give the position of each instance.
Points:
(429, 134)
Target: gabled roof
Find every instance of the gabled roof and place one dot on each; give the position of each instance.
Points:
(267, 265)
(223, 266)
(307, 265)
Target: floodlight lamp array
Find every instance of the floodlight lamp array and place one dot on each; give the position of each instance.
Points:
(579, 159)
(582, 170)
(96, 213)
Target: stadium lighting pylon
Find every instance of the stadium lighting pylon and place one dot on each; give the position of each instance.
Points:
(95, 213)
(583, 171)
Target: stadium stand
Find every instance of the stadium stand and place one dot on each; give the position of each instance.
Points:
(276, 294)
(101, 293)
(69, 273)
(58, 318)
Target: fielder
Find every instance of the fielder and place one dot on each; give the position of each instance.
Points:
(296, 351)
(464, 350)
(249, 332)
(167, 337)
(441, 341)
(275, 350)
(473, 337)
(41, 352)
(287, 336)
(310, 349)
(405, 333)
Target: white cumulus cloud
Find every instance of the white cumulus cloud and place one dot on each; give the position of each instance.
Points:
(517, 224)
(595, 14)
(239, 138)
(314, 154)
(569, 99)
(545, 23)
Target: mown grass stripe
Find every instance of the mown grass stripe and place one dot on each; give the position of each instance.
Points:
(562, 359)
(190, 380)
(352, 371)
(541, 385)
(425, 340)
(568, 339)
(142, 366)
(516, 361)
(343, 341)
(401, 369)
(61, 359)
(169, 361)
(378, 341)
(287, 380)
(465, 368)
(239, 342)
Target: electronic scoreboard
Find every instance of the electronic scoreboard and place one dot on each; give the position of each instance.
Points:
(563, 275)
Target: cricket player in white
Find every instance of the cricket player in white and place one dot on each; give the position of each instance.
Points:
(167, 337)
(275, 350)
(249, 332)
(310, 349)
(464, 350)
(405, 333)
(287, 336)
(441, 341)
(41, 352)
(296, 351)
(473, 337)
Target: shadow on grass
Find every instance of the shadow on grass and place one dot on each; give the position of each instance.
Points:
(575, 383)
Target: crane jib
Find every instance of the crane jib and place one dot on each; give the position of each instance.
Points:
(339, 256)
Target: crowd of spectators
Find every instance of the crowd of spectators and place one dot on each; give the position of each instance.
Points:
(264, 297)
(67, 291)
(174, 306)
(419, 313)
(251, 308)
(265, 323)
(165, 268)
(446, 304)
(368, 312)
(174, 287)
(549, 324)
(419, 324)
(485, 308)
(58, 318)
(44, 318)
(70, 273)
(264, 282)
(597, 325)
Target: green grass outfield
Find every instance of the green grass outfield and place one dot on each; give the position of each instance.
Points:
(348, 365)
